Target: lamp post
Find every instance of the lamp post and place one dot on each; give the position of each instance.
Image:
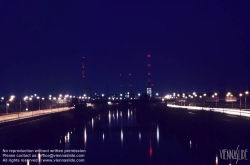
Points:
(204, 98)
(7, 106)
(232, 101)
(215, 94)
(26, 100)
(240, 99)
(240, 102)
(50, 104)
(38, 98)
(32, 104)
(195, 99)
(246, 99)
(20, 108)
(42, 104)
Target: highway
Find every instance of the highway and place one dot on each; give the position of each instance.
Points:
(29, 114)
(230, 111)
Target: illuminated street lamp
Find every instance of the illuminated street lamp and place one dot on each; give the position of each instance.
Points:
(204, 98)
(240, 100)
(50, 104)
(230, 95)
(246, 99)
(38, 98)
(7, 104)
(32, 104)
(27, 102)
(7, 107)
(45, 104)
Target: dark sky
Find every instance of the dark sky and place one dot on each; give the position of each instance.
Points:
(195, 45)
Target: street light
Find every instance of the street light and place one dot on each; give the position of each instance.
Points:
(32, 104)
(240, 100)
(7, 106)
(45, 104)
(50, 104)
(20, 107)
(231, 97)
(26, 99)
(38, 98)
(54, 98)
(246, 100)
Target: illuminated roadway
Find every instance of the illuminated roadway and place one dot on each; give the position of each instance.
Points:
(29, 114)
(230, 111)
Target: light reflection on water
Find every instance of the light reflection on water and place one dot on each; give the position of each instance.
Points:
(121, 136)
(158, 134)
(92, 123)
(114, 128)
(85, 137)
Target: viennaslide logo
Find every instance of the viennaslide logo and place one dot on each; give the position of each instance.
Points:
(233, 154)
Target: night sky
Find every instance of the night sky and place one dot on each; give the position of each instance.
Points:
(195, 45)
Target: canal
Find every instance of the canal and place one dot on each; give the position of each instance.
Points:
(134, 135)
